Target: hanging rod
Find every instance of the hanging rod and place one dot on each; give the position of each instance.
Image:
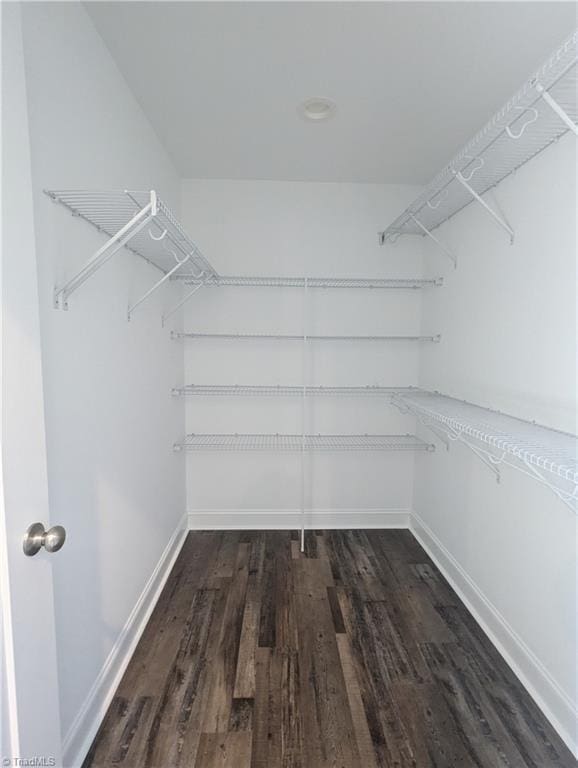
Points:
(542, 111)
(546, 455)
(224, 390)
(287, 337)
(316, 282)
(139, 222)
(285, 442)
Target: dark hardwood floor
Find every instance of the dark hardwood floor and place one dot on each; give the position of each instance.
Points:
(356, 654)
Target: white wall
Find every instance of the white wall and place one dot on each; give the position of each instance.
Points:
(508, 324)
(279, 228)
(114, 482)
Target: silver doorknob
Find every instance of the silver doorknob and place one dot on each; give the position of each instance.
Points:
(37, 537)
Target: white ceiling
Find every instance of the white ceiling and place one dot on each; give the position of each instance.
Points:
(412, 81)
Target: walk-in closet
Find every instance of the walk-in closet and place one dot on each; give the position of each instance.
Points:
(289, 408)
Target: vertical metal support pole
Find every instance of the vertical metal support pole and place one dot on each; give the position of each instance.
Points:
(426, 231)
(304, 415)
(482, 202)
(557, 108)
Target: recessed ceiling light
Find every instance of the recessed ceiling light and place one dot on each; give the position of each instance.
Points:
(317, 109)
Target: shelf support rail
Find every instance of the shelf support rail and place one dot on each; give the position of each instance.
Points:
(486, 457)
(464, 181)
(180, 263)
(553, 104)
(440, 245)
(106, 252)
(570, 499)
(202, 280)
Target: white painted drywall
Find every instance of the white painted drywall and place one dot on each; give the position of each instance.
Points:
(507, 316)
(114, 482)
(292, 228)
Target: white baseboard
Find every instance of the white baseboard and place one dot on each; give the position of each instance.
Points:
(550, 698)
(87, 722)
(290, 519)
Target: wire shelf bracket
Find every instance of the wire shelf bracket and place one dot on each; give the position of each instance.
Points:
(106, 252)
(553, 104)
(499, 219)
(140, 222)
(545, 455)
(538, 114)
(451, 256)
(182, 302)
(158, 284)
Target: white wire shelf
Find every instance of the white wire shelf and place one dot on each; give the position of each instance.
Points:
(256, 390)
(140, 222)
(545, 454)
(300, 443)
(542, 111)
(315, 282)
(290, 337)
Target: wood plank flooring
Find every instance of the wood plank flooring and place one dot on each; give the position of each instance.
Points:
(356, 654)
